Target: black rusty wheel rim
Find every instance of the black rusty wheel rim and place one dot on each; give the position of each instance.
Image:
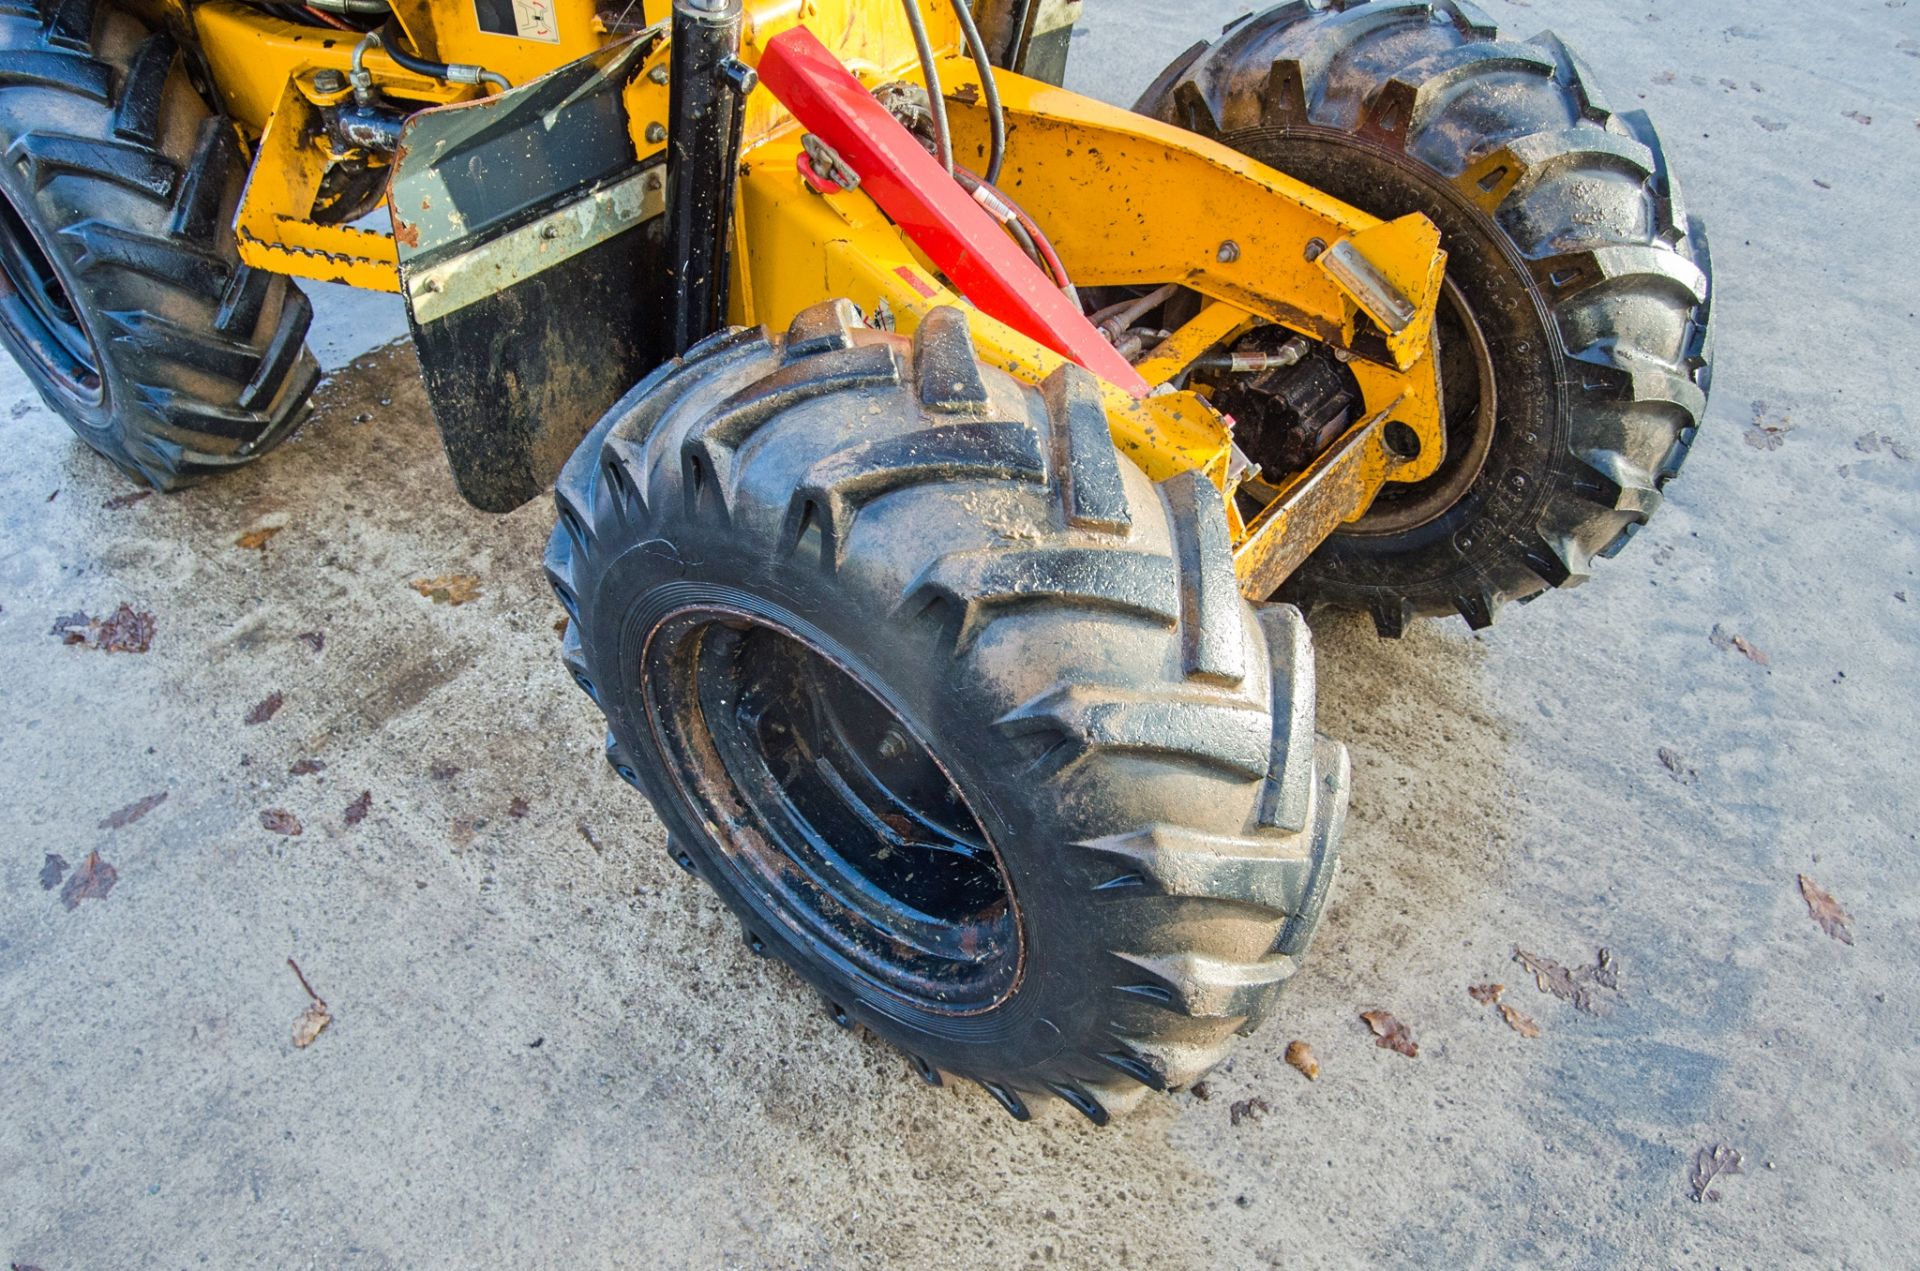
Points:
(1470, 410)
(34, 303)
(833, 810)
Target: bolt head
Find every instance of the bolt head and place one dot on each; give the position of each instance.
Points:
(1229, 252)
(658, 74)
(329, 80)
(656, 133)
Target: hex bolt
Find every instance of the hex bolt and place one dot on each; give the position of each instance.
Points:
(1229, 252)
(656, 133)
(1314, 247)
(893, 745)
(658, 74)
(328, 80)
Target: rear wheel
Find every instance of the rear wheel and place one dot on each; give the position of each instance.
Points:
(121, 292)
(1573, 331)
(961, 715)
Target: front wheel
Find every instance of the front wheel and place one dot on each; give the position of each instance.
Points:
(1573, 330)
(962, 716)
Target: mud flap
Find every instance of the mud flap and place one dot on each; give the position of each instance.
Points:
(531, 262)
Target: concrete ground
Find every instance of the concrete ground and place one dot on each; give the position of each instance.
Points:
(549, 1047)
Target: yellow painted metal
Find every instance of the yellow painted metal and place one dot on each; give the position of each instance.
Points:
(254, 57)
(274, 223)
(801, 246)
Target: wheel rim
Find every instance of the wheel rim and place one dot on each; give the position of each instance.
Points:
(1471, 409)
(833, 809)
(35, 305)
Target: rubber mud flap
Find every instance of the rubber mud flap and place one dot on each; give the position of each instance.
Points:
(530, 260)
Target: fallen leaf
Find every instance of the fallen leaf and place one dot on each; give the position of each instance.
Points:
(1575, 985)
(257, 540)
(126, 630)
(306, 767)
(443, 772)
(52, 872)
(519, 808)
(1249, 1110)
(1390, 1034)
(310, 1022)
(358, 809)
(266, 708)
(1676, 766)
(281, 821)
(1724, 639)
(1854, 115)
(560, 626)
(586, 833)
(1485, 993)
(1201, 1091)
(315, 640)
(1300, 1055)
(121, 502)
(92, 881)
(448, 589)
(133, 811)
(1825, 910)
(1710, 1163)
(1518, 1021)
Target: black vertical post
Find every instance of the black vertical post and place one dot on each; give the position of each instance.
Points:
(703, 154)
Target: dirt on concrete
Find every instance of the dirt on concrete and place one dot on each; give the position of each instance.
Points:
(546, 1045)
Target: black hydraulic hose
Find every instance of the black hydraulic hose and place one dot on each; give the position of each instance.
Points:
(996, 116)
(936, 103)
(442, 70)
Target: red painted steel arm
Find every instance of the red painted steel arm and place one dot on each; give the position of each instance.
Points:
(956, 233)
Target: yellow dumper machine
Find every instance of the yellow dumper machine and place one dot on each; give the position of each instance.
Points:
(942, 459)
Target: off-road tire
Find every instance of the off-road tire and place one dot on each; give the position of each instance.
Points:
(1065, 636)
(126, 184)
(1566, 237)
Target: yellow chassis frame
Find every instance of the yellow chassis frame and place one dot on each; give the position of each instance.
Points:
(1125, 199)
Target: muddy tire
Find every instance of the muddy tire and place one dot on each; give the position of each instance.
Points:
(961, 715)
(1575, 330)
(121, 294)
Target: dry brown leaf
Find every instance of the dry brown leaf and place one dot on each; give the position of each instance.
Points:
(257, 540)
(358, 809)
(306, 767)
(133, 811)
(1575, 985)
(314, 640)
(126, 630)
(586, 832)
(281, 821)
(1300, 1055)
(1249, 1110)
(560, 626)
(1485, 993)
(519, 808)
(1825, 910)
(266, 708)
(1710, 1163)
(92, 881)
(121, 502)
(1725, 639)
(1518, 1021)
(1390, 1034)
(448, 589)
(52, 872)
(310, 1021)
